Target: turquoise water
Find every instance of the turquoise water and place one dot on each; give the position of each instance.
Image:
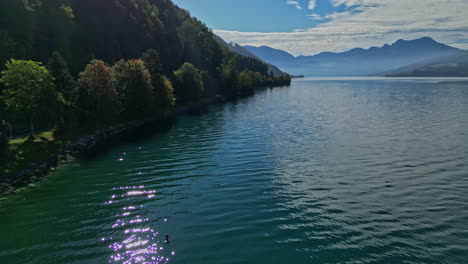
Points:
(324, 171)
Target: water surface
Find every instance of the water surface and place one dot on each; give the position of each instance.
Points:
(325, 171)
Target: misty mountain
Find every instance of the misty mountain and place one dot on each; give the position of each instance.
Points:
(271, 55)
(455, 65)
(358, 61)
(245, 52)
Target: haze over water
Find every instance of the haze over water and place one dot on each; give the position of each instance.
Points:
(324, 171)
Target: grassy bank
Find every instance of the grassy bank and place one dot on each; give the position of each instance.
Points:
(22, 152)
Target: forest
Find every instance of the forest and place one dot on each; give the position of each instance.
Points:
(92, 63)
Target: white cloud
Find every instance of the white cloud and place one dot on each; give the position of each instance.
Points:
(316, 17)
(351, 3)
(377, 22)
(294, 3)
(312, 4)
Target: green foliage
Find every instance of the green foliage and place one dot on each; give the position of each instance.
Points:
(16, 27)
(54, 18)
(247, 63)
(248, 81)
(162, 86)
(244, 83)
(65, 86)
(188, 84)
(152, 62)
(63, 80)
(68, 11)
(30, 91)
(76, 31)
(3, 141)
(132, 81)
(7, 47)
(165, 93)
(97, 99)
(284, 80)
(230, 76)
(109, 30)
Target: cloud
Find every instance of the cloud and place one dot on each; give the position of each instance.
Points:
(316, 17)
(294, 3)
(312, 4)
(352, 3)
(366, 23)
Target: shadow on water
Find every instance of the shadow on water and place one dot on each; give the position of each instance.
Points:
(132, 136)
(166, 124)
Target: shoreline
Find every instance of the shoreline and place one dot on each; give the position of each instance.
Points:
(87, 143)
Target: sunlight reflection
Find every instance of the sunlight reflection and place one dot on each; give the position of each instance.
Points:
(138, 243)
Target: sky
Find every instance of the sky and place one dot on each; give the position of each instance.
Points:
(307, 27)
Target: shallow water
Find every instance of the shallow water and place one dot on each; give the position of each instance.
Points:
(324, 171)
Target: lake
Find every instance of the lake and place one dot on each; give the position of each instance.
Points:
(350, 170)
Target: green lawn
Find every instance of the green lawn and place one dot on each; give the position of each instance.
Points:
(47, 136)
(23, 151)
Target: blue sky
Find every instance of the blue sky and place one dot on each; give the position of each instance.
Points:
(305, 27)
(257, 15)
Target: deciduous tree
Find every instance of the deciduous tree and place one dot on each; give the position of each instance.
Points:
(97, 98)
(165, 92)
(163, 89)
(188, 85)
(30, 91)
(132, 81)
(230, 76)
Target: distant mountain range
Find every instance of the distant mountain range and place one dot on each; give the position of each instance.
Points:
(455, 65)
(356, 62)
(245, 52)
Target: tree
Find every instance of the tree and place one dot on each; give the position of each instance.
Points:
(188, 85)
(64, 84)
(3, 140)
(30, 91)
(153, 63)
(132, 81)
(7, 47)
(162, 86)
(97, 98)
(165, 93)
(230, 77)
(247, 82)
(63, 80)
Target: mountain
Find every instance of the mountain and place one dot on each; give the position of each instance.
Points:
(80, 40)
(110, 30)
(245, 52)
(358, 61)
(271, 55)
(455, 65)
(114, 30)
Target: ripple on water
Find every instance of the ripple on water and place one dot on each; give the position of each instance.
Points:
(322, 172)
(132, 237)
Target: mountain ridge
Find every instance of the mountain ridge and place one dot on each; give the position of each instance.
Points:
(356, 61)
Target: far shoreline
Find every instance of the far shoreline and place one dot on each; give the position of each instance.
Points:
(376, 78)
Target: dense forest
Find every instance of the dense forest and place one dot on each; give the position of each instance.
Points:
(70, 63)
